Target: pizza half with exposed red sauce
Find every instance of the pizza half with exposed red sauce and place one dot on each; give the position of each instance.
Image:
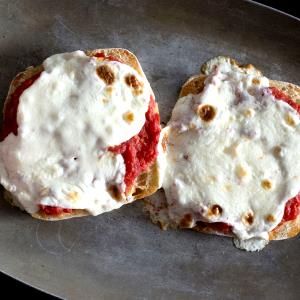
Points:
(80, 135)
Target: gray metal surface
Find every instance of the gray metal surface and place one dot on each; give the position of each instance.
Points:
(121, 255)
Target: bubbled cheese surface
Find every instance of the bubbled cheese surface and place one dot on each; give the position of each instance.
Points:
(232, 155)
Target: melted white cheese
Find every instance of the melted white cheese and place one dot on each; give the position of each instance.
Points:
(67, 119)
(245, 160)
(252, 244)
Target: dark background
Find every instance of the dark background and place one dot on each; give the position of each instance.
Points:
(287, 6)
(14, 288)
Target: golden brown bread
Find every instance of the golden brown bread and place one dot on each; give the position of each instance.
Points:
(195, 85)
(146, 184)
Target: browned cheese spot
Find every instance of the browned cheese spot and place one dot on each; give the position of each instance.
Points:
(289, 120)
(135, 84)
(270, 218)
(109, 90)
(251, 91)
(241, 172)
(248, 218)
(232, 150)
(255, 81)
(249, 113)
(277, 151)
(115, 193)
(128, 117)
(164, 142)
(206, 112)
(105, 100)
(106, 74)
(192, 126)
(211, 179)
(266, 184)
(186, 221)
(73, 196)
(216, 210)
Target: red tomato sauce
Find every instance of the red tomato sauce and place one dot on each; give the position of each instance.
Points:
(292, 209)
(141, 150)
(54, 210)
(138, 152)
(109, 57)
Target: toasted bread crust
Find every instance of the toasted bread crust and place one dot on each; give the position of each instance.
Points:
(145, 184)
(124, 55)
(194, 85)
(290, 89)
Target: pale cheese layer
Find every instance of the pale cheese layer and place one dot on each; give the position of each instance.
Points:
(244, 160)
(67, 119)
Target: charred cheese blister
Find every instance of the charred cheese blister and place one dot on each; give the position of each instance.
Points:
(77, 108)
(238, 164)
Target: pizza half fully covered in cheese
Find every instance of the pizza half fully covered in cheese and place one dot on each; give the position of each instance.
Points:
(232, 157)
(80, 135)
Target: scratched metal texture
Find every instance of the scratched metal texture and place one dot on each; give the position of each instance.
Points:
(121, 255)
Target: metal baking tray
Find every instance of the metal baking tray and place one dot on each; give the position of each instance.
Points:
(122, 255)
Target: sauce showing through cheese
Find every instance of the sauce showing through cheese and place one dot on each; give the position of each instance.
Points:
(141, 150)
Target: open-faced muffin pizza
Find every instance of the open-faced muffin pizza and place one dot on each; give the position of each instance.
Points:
(80, 135)
(232, 157)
